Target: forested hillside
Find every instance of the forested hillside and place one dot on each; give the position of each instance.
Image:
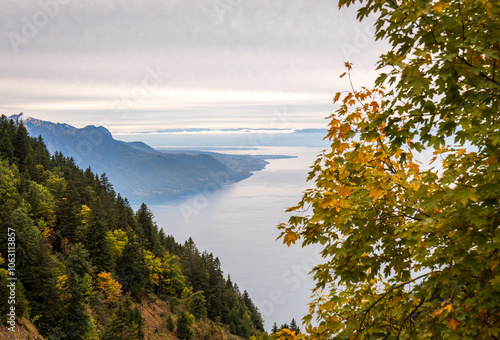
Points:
(87, 266)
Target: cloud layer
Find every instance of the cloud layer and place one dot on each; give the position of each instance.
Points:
(62, 56)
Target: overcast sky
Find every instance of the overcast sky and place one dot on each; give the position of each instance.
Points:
(155, 64)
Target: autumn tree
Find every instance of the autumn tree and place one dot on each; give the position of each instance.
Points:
(111, 288)
(411, 247)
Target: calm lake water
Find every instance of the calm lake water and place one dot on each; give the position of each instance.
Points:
(237, 223)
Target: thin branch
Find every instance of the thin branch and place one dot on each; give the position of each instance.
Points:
(484, 76)
(409, 315)
(366, 311)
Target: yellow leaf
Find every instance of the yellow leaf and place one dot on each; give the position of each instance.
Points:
(290, 237)
(325, 203)
(344, 191)
(453, 323)
(439, 6)
(493, 264)
(376, 193)
(489, 6)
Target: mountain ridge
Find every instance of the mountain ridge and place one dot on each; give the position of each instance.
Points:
(137, 170)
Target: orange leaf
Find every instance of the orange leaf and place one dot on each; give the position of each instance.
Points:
(453, 323)
(437, 312)
(343, 74)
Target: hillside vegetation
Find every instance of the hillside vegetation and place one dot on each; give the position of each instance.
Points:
(89, 267)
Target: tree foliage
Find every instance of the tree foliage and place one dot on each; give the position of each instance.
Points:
(411, 247)
(83, 254)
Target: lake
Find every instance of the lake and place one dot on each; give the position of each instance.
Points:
(237, 223)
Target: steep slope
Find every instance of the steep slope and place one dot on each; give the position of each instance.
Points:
(87, 266)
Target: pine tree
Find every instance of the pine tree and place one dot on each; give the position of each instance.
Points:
(275, 328)
(36, 269)
(294, 327)
(128, 323)
(149, 231)
(170, 323)
(6, 147)
(131, 271)
(255, 316)
(193, 266)
(197, 305)
(68, 213)
(78, 261)
(184, 331)
(96, 241)
(76, 321)
(21, 145)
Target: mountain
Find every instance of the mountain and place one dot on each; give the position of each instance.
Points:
(136, 169)
(77, 262)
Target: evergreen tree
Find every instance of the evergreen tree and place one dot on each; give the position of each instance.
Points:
(294, 327)
(193, 266)
(128, 323)
(76, 321)
(275, 328)
(96, 241)
(197, 305)
(67, 213)
(131, 271)
(255, 316)
(36, 269)
(216, 304)
(184, 331)
(170, 323)
(6, 146)
(21, 145)
(78, 261)
(149, 231)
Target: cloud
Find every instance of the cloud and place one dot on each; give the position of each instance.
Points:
(89, 54)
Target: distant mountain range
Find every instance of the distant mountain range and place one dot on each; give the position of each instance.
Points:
(199, 138)
(138, 171)
(231, 131)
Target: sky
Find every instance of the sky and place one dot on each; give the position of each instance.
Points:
(146, 65)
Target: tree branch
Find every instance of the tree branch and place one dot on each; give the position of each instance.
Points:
(366, 311)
